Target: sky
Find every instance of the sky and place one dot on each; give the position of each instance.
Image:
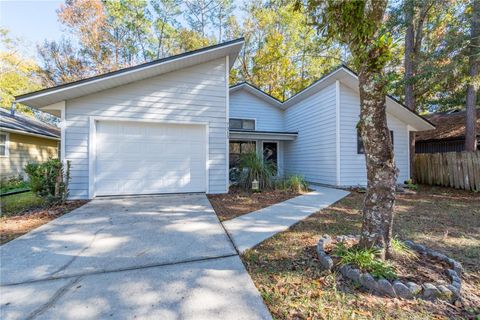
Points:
(32, 21)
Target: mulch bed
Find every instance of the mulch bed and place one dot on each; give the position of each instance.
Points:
(237, 202)
(12, 227)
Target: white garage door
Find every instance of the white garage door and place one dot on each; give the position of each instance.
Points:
(148, 158)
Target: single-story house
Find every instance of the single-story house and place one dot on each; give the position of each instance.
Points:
(24, 140)
(449, 134)
(171, 125)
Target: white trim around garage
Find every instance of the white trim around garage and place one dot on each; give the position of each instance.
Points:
(92, 145)
(227, 124)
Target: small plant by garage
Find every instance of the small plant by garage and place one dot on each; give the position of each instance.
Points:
(49, 180)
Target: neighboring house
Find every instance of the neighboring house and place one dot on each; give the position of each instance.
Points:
(24, 140)
(171, 125)
(449, 135)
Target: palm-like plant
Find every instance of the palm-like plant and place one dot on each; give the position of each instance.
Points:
(254, 167)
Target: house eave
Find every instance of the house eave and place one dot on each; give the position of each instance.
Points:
(262, 135)
(4, 129)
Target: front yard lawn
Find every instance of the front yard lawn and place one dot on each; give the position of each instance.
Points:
(23, 212)
(237, 202)
(287, 273)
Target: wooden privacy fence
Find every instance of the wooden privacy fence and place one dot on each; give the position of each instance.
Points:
(460, 170)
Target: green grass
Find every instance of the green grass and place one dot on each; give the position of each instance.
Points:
(17, 203)
(13, 185)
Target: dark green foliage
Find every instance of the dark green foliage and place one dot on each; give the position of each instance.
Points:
(365, 259)
(49, 180)
(12, 184)
(254, 167)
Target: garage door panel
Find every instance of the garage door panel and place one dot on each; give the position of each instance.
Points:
(141, 158)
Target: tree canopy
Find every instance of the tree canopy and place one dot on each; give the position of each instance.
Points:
(283, 52)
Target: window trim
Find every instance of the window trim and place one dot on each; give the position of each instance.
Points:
(242, 119)
(360, 142)
(7, 144)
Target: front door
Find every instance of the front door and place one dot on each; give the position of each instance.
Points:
(270, 153)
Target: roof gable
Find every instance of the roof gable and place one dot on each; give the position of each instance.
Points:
(350, 79)
(124, 76)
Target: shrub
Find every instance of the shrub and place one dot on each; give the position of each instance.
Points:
(294, 183)
(12, 184)
(411, 185)
(254, 167)
(49, 180)
(365, 260)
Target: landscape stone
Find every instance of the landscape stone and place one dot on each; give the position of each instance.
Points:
(344, 270)
(457, 284)
(368, 281)
(454, 291)
(402, 290)
(430, 291)
(414, 288)
(354, 274)
(420, 248)
(409, 243)
(452, 273)
(445, 293)
(458, 267)
(385, 287)
(326, 262)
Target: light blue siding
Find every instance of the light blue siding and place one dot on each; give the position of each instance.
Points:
(244, 105)
(352, 165)
(312, 154)
(195, 94)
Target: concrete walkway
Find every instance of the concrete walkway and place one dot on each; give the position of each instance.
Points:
(162, 257)
(250, 229)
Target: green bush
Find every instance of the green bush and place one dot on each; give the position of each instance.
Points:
(411, 185)
(253, 167)
(365, 260)
(294, 183)
(12, 184)
(49, 180)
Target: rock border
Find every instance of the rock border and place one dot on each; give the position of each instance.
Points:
(397, 288)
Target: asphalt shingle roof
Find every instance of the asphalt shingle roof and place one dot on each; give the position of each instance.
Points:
(25, 124)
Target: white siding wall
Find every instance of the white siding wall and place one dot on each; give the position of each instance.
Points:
(247, 106)
(312, 154)
(352, 165)
(195, 94)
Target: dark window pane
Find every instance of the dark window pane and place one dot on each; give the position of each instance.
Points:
(235, 124)
(360, 149)
(2, 150)
(248, 125)
(3, 139)
(391, 136)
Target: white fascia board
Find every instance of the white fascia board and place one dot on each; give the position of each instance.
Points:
(28, 133)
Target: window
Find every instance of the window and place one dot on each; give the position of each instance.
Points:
(242, 124)
(239, 147)
(360, 148)
(3, 144)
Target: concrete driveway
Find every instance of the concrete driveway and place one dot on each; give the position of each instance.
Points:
(162, 257)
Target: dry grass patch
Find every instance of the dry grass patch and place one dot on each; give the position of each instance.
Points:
(286, 270)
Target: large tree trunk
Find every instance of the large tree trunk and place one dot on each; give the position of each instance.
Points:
(381, 169)
(474, 62)
(409, 61)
